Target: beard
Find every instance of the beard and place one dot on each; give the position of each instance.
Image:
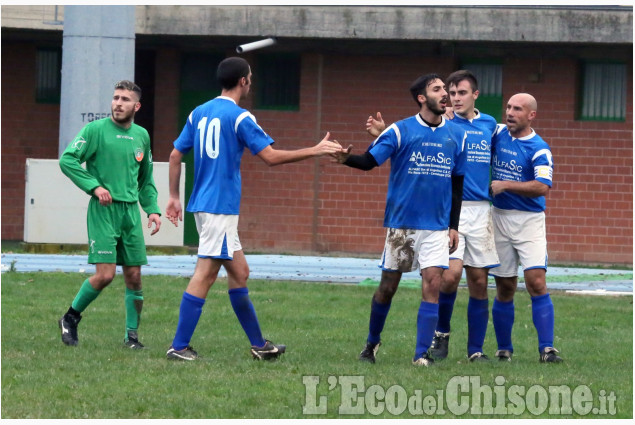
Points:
(123, 117)
(434, 107)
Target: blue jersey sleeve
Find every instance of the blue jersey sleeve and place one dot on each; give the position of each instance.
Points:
(460, 156)
(386, 144)
(251, 134)
(542, 163)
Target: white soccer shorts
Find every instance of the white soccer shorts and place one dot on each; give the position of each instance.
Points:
(218, 235)
(406, 250)
(476, 236)
(520, 237)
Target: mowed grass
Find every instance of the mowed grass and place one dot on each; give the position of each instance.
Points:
(324, 327)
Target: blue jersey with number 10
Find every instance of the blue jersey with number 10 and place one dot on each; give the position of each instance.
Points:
(219, 131)
(422, 162)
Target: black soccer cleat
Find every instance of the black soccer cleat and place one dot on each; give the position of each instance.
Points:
(269, 351)
(504, 355)
(550, 355)
(369, 352)
(68, 326)
(186, 354)
(132, 341)
(478, 357)
(424, 360)
(439, 347)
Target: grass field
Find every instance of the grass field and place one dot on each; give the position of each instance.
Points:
(324, 327)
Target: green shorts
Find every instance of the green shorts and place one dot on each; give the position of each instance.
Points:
(115, 234)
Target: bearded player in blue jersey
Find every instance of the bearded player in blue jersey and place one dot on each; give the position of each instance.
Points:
(422, 207)
(219, 131)
(522, 168)
(476, 251)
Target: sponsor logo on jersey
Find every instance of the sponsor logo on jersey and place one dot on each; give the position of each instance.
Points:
(138, 154)
(439, 158)
(511, 165)
(482, 146)
(79, 143)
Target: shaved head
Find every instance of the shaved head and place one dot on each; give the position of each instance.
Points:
(520, 112)
(525, 99)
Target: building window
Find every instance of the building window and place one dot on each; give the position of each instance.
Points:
(603, 94)
(49, 75)
(277, 82)
(490, 87)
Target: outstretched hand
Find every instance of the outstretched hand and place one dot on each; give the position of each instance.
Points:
(327, 146)
(374, 126)
(341, 156)
(449, 113)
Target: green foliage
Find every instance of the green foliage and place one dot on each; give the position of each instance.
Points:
(324, 327)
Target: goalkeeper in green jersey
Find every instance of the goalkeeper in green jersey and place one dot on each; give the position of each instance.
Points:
(118, 175)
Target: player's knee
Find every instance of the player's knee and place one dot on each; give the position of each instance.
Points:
(102, 279)
(450, 281)
(133, 279)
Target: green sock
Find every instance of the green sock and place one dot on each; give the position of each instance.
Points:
(85, 296)
(134, 303)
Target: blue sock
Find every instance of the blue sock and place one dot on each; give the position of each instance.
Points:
(544, 318)
(477, 316)
(446, 306)
(426, 324)
(191, 308)
(503, 318)
(246, 315)
(378, 314)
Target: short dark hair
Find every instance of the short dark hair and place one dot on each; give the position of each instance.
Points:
(128, 85)
(420, 85)
(457, 76)
(231, 70)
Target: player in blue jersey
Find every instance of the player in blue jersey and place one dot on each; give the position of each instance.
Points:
(476, 251)
(522, 168)
(427, 165)
(219, 131)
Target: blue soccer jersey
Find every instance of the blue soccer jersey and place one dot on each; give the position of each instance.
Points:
(478, 150)
(219, 131)
(525, 159)
(422, 162)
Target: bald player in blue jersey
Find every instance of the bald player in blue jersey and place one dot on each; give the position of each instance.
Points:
(219, 131)
(427, 165)
(522, 169)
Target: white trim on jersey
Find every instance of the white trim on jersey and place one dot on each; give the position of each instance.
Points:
(499, 128)
(397, 133)
(463, 142)
(242, 117)
(545, 152)
(190, 117)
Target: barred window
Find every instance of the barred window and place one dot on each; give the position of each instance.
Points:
(49, 75)
(603, 94)
(277, 81)
(490, 87)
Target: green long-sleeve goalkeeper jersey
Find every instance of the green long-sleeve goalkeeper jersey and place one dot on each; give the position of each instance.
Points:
(117, 159)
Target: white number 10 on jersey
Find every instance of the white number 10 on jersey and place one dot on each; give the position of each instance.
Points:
(211, 138)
